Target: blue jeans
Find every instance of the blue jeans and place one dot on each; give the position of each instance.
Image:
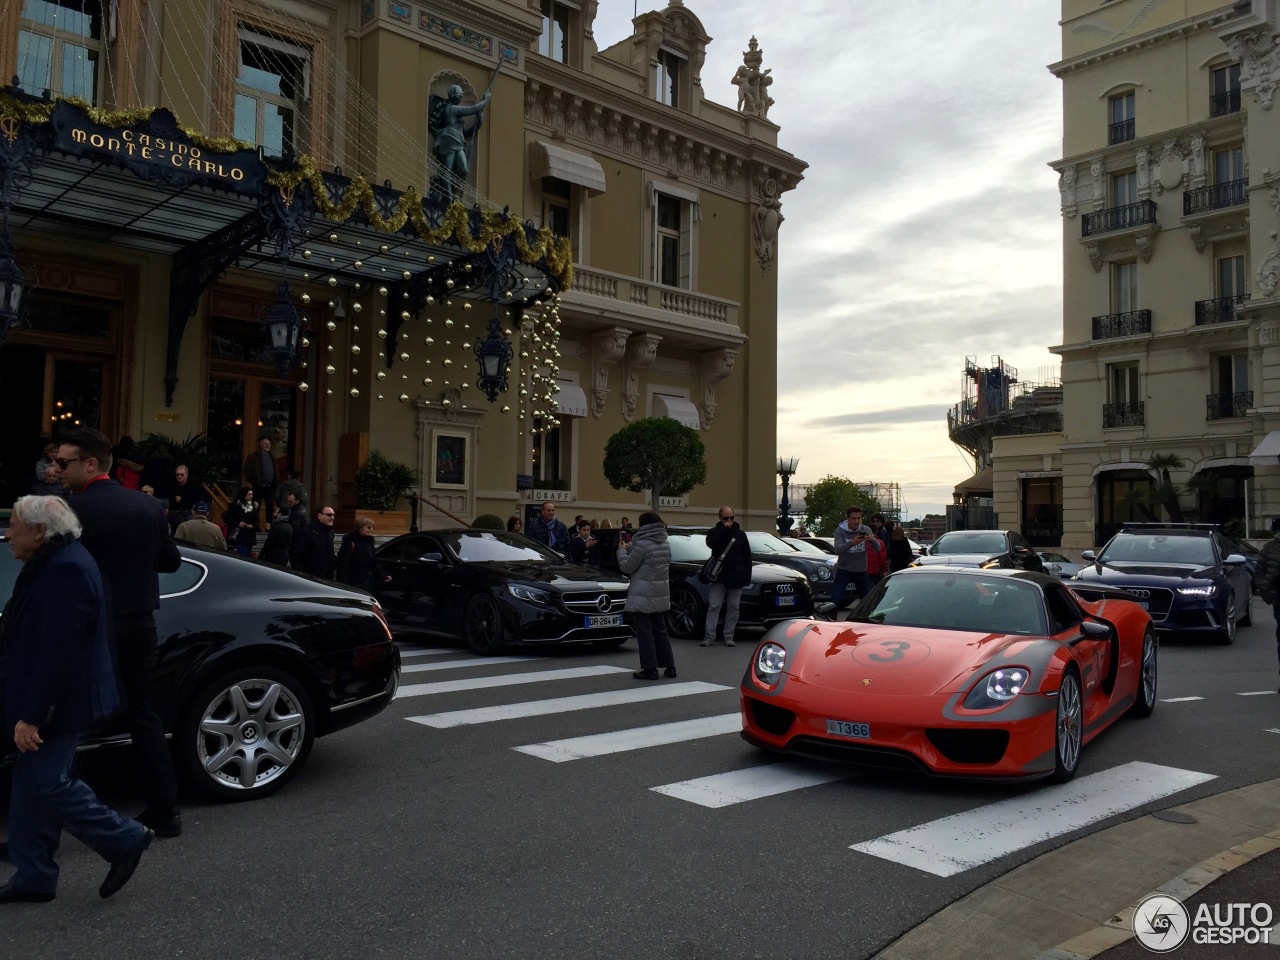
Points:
(843, 578)
(45, 800)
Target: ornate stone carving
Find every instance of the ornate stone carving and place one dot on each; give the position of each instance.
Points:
(641, 351)
(1096, 170)
(1143, 170)
(1258, 52)
(607, 348)
(1196, 172)
(1201, 235)
(1268, 275)
(716, 366)
(1168, 172)
(753, 83)
(1067, 190)
(766, 220)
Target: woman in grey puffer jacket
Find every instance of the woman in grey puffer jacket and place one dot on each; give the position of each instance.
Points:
(647, 560)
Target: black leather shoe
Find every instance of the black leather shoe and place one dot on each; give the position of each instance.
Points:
(10, 895)
(122, 870)
(646, 674)
(164, 824)
(669, 673)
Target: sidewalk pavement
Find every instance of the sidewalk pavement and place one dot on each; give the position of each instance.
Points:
(1077, 901)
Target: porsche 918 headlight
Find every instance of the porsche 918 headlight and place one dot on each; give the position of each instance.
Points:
(528, 594)
(997, 688)
(1208, 590)
(769, 663)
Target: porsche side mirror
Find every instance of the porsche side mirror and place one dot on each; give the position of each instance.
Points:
(1095, 629)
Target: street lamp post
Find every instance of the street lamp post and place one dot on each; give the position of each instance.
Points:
(786, 469)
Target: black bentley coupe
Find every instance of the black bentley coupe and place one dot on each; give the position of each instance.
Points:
(497, 589)
(254, 663)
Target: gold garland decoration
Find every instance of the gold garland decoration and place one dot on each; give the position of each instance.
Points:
(456, 224)
(556, 251)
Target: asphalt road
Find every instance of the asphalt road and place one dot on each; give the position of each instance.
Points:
(406, 840)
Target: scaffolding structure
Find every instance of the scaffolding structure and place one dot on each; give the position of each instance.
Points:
(996, 403)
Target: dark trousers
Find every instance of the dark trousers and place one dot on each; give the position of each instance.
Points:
(44, 801)
(135, 637)
(652, 639)
(860, 581)
(1276, 609)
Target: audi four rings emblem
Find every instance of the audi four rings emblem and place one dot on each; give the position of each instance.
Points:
(785, 588)
(604, 604)
(1140, 594)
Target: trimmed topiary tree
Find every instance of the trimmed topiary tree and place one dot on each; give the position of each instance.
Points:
(657, 454)
(488, 521)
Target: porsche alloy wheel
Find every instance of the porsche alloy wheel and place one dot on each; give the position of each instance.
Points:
(1228, 633)
(246, 734)
(1068, 730)
(482, 626)
(1145, 696)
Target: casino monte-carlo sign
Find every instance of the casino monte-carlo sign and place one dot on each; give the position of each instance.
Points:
(155, 149)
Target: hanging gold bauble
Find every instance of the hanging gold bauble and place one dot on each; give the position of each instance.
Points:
(382, 375)
(303, 386)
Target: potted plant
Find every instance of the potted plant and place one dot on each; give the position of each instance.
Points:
(380, 483)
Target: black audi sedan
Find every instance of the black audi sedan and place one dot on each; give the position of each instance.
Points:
(774, 594)
(819, 570)
(254, 663)
(1189, 577)
(982, 548)
(497, 589)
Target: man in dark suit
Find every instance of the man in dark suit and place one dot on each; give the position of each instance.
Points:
(57, 681)
(126, 533)
(312, 550)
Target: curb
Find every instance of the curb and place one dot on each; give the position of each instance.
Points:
(1120, 927)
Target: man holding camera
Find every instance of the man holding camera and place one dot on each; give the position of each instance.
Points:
(735, 573)
(853, 539)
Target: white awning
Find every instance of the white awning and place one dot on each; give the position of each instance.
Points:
(1268, 451)
(571, 400)
(550, 160)
(677, 408)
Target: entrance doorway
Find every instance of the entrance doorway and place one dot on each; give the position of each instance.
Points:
(242, 410)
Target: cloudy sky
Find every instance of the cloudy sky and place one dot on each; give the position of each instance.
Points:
(927, 226)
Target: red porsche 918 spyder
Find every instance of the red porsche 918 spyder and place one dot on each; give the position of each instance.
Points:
(954, 672)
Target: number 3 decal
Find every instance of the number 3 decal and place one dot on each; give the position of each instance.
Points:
(899, 650)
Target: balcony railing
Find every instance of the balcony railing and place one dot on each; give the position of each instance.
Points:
(1221, 104)
(1124, 414)
(1118, 218)
(1122, 324)
(1120, 132)
(1219, 310)
(1215, 197)
(1224, 406)
(644, 293)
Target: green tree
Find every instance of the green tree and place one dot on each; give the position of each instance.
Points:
(656, 454)
(826, 501)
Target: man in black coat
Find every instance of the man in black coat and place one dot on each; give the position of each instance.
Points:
(735, 574)
(312, 550)
(126, 533)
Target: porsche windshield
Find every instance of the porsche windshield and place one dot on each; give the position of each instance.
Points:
(500, 547)
(1153, 548)
(950, 544)
(948, 601)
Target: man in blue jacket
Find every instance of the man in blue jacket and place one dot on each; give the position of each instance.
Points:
(58, 680)
(126, 533)
(550, 531)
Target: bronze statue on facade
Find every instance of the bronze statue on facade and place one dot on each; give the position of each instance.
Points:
(451, 142)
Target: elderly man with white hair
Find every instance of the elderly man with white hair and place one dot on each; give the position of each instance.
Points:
(56, 680)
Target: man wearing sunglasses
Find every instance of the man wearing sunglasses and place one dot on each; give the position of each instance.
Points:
(735, 573)
(312, 550)
(128, 536)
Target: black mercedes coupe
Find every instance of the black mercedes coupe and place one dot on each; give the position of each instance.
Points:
(496, 590)
(254, 663)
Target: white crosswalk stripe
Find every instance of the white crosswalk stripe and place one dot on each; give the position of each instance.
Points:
(587, 701)
(739, 786)
(637, 738)
(414, 652)
(1181, 699)
(469, 662)
(966, 840)
(1257, 693)
(505, 680)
